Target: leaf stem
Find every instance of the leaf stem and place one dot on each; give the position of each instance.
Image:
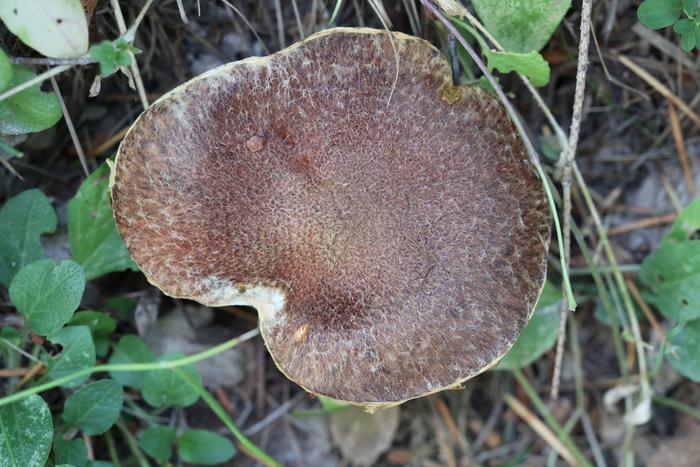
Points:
(164, 365)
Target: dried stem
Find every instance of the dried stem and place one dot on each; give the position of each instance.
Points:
(567, 178)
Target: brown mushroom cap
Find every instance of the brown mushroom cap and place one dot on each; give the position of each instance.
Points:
(393, 246)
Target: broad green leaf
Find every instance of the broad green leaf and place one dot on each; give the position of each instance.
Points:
(530, 64)
(55, 28)
(5, 71)
(73, 452)
(100, 464)
(131, 349)
(521, 25)
(30, 110)
(687, 225)
(539, 334)
(26, 431)
(78, 354)
(100, 324)
(157, 442)
(94, 240)
(47, 294)
(94, 408)
(687, 349)
(164, 388)
(22, 220)
(673, 273)
(657, 14)
(204, 447)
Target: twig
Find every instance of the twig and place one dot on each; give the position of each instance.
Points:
(109, 142)
(643, 223)
(297, 18)
(71, 128)
(456, 434)
(549, 418)
(84, 60)
(12, 372)
(30, 374)
(566, 181)
(250, 26)
(680, 146)
(279, 18)
(181, 9)
(540, 428)
(660, 88)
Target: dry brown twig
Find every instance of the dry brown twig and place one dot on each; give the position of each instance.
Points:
(540, 428)
(680, 147)
(567, 177)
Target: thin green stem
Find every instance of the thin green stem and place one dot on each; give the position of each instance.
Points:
(155, 366)
(133, 443)
(549, 418)
(254, 450)
(677, 405)
(112, 449)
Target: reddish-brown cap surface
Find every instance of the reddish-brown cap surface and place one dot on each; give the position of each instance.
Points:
(392, 239)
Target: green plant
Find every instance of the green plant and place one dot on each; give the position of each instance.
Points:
(57, 29)
(672, 272)
(47, 295)
(659, 14)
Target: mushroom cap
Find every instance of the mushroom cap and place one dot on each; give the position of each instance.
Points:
(389, 229)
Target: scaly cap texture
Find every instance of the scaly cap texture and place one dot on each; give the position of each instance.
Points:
(393, 246)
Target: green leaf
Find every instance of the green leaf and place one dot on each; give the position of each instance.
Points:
(164, 388)
(657, 14)
(688, 39)
(72, 452)
(30, 110)
(5, 71)
(130, 349)
(673, 273)
(157, 442)
(106, 56)
(204, 447)
(521, 25)
(78, 353)
(687, 225)
(47, 294)
(539, 334)
(22, 221)
(55, 28)
(687, 349)
(530, 64)
(95, 407)
(682, 26)
(100, 324)
(26, 431)
(94, 240)
(691, 7)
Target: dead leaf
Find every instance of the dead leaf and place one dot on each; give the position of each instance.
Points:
(363, 437)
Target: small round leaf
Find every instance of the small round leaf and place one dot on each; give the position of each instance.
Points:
(203, 447)
(47, 294)
(157, 442)
(95, 407)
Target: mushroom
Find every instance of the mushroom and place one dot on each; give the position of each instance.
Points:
(387, 226)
